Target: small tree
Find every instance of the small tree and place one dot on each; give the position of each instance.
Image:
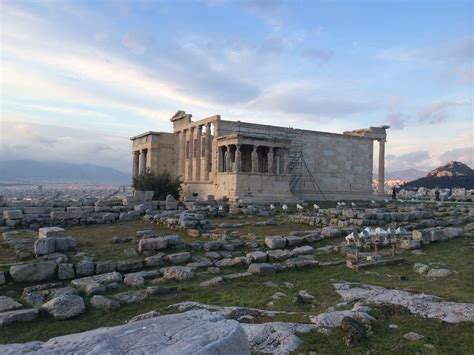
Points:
(162, 184)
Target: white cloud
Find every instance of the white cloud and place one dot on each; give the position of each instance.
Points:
(314, 53)
(438, 111)
(460, 50)
(308, 99)
(21, 139)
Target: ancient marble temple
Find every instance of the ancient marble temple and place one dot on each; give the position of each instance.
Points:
(250, 162)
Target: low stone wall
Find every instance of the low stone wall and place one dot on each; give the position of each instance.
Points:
(36, 214)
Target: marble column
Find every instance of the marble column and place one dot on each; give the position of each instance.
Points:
(191, 153)
(228, 160)
(143, 161)
(135, 164)
(285, 161)
(270, 160)
(220, 159)
(182, 154)
(278, 158)
(254, 158)
(381, 175)
(207, 152)
(187, 154)
(238, 159)
(197, 148)
(177, 152)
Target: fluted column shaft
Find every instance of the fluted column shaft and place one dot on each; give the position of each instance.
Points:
(381, 174)
(135, 164)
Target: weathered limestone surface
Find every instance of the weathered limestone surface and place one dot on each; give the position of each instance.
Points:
(193, 332)
(427, 306)
(275, 337)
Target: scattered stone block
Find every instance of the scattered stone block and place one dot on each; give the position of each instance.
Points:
(51, 232)
(180, 273)
(66, 271)
(102, 267)
(412, 336)
(65, 307)
(105, 279)
(21, 315)
(94, 288)
(275, 242)
(159, 243)
(409, 244)
(330, 232)
(44, 246)
(421, 269)
(172, 239)
(305, 250)
(133, 280)
(155, 260)
(171, 203)
(35, 272)
(257, 256)
(301, 261)
(280, 254)
(65, 244)
(179, 258)
(440, 273)
(453, 232)
(146, 233)
(37, 295)
(292, 240)
(8, 304)
(104, 303)
(129, 265)
(261, 269)
(130, 297)
(85, 268)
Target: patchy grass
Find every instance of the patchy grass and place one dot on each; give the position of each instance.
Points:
(252, 292)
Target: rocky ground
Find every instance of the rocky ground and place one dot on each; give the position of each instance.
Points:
(282, 278)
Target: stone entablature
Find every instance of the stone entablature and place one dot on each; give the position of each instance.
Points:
(234, 159)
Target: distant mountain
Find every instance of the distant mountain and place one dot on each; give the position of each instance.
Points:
(453, 168)
(407, 174)
(452, 175)
(35, 171)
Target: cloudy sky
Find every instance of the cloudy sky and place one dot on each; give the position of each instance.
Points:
(78, 78)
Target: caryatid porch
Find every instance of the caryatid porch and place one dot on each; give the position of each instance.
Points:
(252, 155)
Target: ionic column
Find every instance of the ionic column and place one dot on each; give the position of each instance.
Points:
(254, 158)
(207, 152)
(228, 160)
(381, 175)
(220, 159)
(285, 161)
(270, 160)
(177, 151)
(197, 168)
(238, 159)
(143, 161)
(182, 154)
(135, 164)
(191, 153)
(278, 158)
